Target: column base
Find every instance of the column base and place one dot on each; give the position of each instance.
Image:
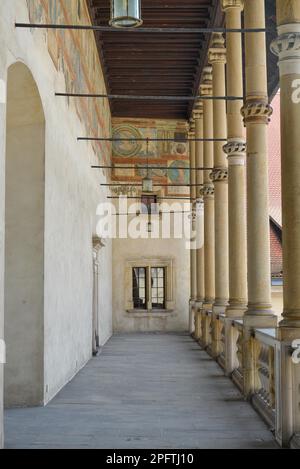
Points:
(191, 316)
(236, 311)
(198, 317)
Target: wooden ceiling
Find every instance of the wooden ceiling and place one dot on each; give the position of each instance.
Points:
(163, 64)
(156, 64)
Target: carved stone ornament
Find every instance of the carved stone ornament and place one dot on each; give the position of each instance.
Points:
(219, 174)
(257, 111)
(217, 52)
(208, 190)
(235, 147)
(287, 47)
(226, 4)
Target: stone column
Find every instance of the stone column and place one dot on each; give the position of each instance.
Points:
(208, 197)
(198, 117)
(256, 112)
(193, 259)
(217, 57)
(236, 155)
(287, 47)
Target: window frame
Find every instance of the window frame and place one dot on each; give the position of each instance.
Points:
(148, 263)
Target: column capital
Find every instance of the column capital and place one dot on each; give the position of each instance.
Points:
(229, 4)
(217, 51)
(206, 86)
(219, 175)
(192, 126)
(257, 110)
(287, 47)
(198, 111)
(207, 190)
(235, 150)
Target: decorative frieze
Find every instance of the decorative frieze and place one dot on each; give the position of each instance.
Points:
(257, 111)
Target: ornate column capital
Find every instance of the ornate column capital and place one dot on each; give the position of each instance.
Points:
(219, 175)
(287, 47)
(229, 4)
(235, 150)
(198, 111)
(257, 110)
(206, 86)
(217, 51)
(207, 191)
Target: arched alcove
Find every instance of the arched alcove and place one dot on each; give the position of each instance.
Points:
(24, 241)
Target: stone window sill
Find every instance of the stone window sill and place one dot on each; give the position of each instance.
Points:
(153, 313)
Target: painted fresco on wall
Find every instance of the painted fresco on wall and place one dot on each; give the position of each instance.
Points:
(170, 153)
(74, 53)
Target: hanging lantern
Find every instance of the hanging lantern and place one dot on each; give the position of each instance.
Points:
(147, 184)
(126, 13)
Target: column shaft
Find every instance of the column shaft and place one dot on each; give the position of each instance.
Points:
(286, 46)
(208, 193)
(198, 116)
(217, 57)
(235, 150)
(193, 259)
(257, 112)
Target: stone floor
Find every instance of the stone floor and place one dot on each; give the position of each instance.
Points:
(144, 391)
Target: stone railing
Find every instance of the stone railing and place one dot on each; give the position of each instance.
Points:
(264, 397)
(254, 359)
(238, 337)
(222, 326)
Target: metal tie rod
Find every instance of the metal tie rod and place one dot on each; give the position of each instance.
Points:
(153, 98)
(151, 167)
(178, 140)
(160, 198)
(107, 29)
(137, 214)
(124, 184)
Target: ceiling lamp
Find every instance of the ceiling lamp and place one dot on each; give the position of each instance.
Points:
(126, 13)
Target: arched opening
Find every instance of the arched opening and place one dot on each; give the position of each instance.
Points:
(24, 241)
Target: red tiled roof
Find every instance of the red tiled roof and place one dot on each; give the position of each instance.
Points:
(275, 162)
(276, 249)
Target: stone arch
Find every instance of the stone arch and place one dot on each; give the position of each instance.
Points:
(24, 240)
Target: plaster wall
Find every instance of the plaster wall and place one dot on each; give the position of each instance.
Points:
(72, 193)
(144, 250)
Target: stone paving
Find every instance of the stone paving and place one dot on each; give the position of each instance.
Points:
(143, 391)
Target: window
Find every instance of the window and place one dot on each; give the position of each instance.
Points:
(149, 285)
(149, 204)
(139, 288)
(158, 287)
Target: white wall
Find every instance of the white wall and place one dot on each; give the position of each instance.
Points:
(72, 192)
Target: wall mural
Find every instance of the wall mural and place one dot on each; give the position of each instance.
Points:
(173, 154)
(74, 53)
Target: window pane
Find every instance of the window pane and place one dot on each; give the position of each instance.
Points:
(158, 287)
(139, 287)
